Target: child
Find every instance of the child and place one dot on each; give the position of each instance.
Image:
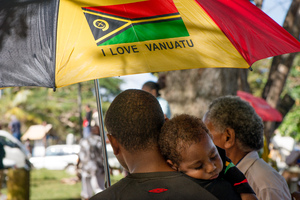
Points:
(186, 144)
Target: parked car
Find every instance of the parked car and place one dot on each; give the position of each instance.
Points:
(57, 157)
(60, 157)
(16, 154)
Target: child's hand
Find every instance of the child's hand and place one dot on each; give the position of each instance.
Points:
(248, 196)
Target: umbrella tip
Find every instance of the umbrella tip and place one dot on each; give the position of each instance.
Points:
(54, 89)
(250, 68)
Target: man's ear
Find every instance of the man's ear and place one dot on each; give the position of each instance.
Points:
(229, 135)
(173, 165)
(114, 144)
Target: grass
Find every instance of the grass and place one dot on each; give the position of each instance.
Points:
(55, 185)
(47, 184)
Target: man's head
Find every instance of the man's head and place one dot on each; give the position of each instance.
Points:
(134, 119)
(233, 121)
(187, 146)
(152, 88)
(88, 107)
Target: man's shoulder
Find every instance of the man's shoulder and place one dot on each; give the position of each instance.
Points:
(170, 185)
(265, 179)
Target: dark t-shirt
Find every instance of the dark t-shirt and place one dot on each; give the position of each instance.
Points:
(155, 185)
(220, 188)
(88, 117)
(15, 126)
(233, 175)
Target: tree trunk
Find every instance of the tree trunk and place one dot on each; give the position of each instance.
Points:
(281, 66)
(191, 91)
(243, 81)
(79, 102)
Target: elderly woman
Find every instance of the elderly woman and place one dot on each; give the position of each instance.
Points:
(237, 128)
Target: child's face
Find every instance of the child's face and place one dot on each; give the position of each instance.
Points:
(201, 160)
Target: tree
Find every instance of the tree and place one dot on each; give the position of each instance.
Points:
(281, 66)
(35, 105)
(190, 91)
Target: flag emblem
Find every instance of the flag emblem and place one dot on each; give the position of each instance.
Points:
(135, 22)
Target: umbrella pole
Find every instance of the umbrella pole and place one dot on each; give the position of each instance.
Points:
(101, 126)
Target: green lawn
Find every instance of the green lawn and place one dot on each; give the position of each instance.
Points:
(55, 185)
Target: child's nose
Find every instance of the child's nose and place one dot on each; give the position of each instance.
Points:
(211, 167)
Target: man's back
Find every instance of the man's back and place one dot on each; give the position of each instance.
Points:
(155, 185)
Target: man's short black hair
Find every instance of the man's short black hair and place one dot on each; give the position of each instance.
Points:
(135, 118)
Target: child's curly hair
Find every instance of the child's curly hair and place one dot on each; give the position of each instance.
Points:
(179, 133)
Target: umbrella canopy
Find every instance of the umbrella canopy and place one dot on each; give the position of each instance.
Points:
(36, 132)
(262, 108)
(54, 43)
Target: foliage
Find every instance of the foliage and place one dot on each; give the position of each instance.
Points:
(258, 77)
(60, 108)
(290, 125)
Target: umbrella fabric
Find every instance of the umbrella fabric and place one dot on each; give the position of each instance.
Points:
(36, 132)
(54, 43)
(261, 107)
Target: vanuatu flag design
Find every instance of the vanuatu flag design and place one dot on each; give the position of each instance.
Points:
(126, 23)
(56, 43)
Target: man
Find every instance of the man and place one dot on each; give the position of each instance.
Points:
(87, 121)
(133, 122)
(239, 130)
(153, 88)
(15, 127)
(91, 164)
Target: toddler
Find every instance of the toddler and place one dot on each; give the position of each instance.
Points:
(187, 146)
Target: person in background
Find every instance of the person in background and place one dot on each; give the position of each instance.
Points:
(15, 127)
(133, 122)
(87, 121)
(238, 129)
(91, 164)
(187, 146)
(153, 88)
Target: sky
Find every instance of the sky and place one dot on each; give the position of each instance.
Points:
(276, 9)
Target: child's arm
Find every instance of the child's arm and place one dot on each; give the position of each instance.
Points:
(233, 175)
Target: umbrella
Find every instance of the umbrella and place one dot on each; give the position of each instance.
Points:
(55, 43)
(261, 107)
(36, 132)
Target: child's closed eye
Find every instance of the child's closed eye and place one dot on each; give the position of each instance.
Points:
(198, 168)
(214, 157)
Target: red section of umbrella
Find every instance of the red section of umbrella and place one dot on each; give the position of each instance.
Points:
(158, 190)
(221, 12)
(262, 108)
(139, 9)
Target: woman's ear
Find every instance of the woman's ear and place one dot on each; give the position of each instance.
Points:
(230, 138)
(173, 165)
(114, 144)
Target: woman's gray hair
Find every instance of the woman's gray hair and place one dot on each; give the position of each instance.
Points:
(233, 112)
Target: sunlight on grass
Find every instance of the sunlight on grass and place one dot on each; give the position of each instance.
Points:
(48, 184)
(56, 185)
